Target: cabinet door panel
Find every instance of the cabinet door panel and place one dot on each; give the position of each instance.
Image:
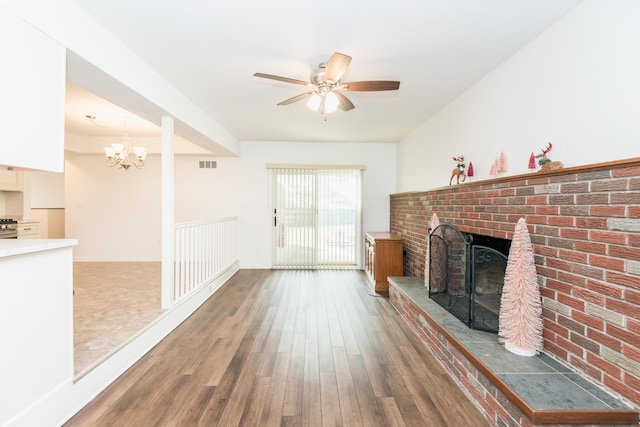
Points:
(384, 258)
(32, 93)
(11, 181)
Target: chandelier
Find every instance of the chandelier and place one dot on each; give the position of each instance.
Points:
(123, 156)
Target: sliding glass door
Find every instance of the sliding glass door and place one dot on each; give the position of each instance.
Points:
(316, 218)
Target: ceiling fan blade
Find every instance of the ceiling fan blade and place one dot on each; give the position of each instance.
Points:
(370, 86)
(282, 79)
(297, 98)
(345, 104)
(336, 67)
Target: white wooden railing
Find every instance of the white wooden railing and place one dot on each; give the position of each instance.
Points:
(203, 251)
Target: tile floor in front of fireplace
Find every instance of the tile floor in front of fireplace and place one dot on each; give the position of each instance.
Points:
(541, 380)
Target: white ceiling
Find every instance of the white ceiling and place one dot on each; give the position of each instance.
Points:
(109, 119)
(209, 50)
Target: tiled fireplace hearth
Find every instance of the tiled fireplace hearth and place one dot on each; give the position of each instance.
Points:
(584, 224)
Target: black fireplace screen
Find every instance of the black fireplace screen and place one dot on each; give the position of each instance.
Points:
(466, 275)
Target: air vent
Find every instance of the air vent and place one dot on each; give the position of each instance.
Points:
(208, 164)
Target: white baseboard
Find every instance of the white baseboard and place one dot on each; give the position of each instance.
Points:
(81, 259)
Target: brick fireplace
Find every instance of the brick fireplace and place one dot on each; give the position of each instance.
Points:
(585, 229)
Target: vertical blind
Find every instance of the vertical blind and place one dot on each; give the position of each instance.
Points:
(316, 218)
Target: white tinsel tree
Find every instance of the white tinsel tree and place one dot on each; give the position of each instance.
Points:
(435, 222)
(520, 320)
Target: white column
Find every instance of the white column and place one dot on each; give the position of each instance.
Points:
(168, 214)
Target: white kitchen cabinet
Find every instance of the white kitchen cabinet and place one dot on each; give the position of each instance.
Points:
(32, 84)
(11, 181)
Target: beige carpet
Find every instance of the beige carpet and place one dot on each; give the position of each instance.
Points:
(113, 301)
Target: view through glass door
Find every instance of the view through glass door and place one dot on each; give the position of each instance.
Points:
(316, 218)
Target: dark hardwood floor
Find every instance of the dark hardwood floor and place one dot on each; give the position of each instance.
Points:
(286, 348)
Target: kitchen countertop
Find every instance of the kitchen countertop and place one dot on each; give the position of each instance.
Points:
(12, 247)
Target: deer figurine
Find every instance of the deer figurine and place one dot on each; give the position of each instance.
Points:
(545, 163)
(458, 171)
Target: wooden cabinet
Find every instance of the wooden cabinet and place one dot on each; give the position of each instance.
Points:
(50, 221)
(28, 230)
(383, 258)
(11, 181)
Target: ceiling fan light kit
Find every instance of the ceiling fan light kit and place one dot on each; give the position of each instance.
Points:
(326, 87)
(314, 102)
(331, 102)
(327, 103)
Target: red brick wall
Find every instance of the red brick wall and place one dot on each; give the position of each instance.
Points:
(585, 229)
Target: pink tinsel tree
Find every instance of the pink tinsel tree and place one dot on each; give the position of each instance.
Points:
(520, 319)
(494, 168)
(502, 163)
(435, 222)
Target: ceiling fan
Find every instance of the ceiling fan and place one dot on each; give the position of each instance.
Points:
(325, 86)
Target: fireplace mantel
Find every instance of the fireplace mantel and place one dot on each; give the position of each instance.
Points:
(584, 224)
(593, 167)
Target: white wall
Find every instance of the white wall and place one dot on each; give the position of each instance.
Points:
(206, 193)
(252, 190)
(47, 190)
(114, 214)
(577, 85)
